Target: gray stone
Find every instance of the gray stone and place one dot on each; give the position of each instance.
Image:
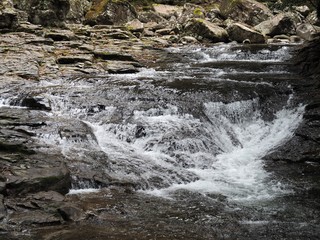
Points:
(205, 30)
(167, 11)
(239, 32)
(308, 31)
(247, 11)
(71, 213)
(3, 211)
(280, 24)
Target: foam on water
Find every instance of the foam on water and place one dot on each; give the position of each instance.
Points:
(221, 156)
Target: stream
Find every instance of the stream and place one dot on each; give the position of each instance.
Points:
(188, 137)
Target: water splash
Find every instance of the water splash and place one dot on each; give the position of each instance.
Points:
(222, 155)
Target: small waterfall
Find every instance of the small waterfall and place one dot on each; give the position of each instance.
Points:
(198, 124)
(164, 150)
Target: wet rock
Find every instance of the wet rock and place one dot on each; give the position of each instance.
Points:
(36, 103)
(71, 213)
(239, 32)
(308, 31)
(39, 178)
(48, 196)
(110, 12)
(121, 67)
(37, 217)
(45, 12)
(280, 24)
(205, 30)
(2, 208)
(248, 11)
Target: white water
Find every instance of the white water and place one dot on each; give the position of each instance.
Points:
(220, 152)
(222, 156)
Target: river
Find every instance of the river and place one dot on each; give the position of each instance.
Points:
(189, 137)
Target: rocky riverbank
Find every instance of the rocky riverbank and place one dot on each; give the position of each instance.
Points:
(65, 39)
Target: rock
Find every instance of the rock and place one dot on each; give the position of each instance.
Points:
(60, 35)
(8, 19)
(151, 16)
(313, 19)
(192, 11)
(45, 12)
(164, 31)
(303, 10)
(188, 40)
(247, 11)
(78, 10)
(39, 178)
(48, 196)
(308, 31)
(74, 59)
(71, 213)
(121, 67)
(281, 24)
(36, 103)
(3, 212)
(239, 32)
(205, 30)
(110, 12)
(113, 56)
(37, 217)
(135, 26)
(167, 11)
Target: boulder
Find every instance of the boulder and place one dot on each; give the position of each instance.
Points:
(240, 33)
(282, 23)
(41, 178)
(110, 12)
(78, 10)
(308, 31)
(135, 26)
(45, 12)
(247, 11)
(167, 11)
(205, 30)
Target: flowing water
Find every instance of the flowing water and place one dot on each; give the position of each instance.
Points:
(201, 121)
